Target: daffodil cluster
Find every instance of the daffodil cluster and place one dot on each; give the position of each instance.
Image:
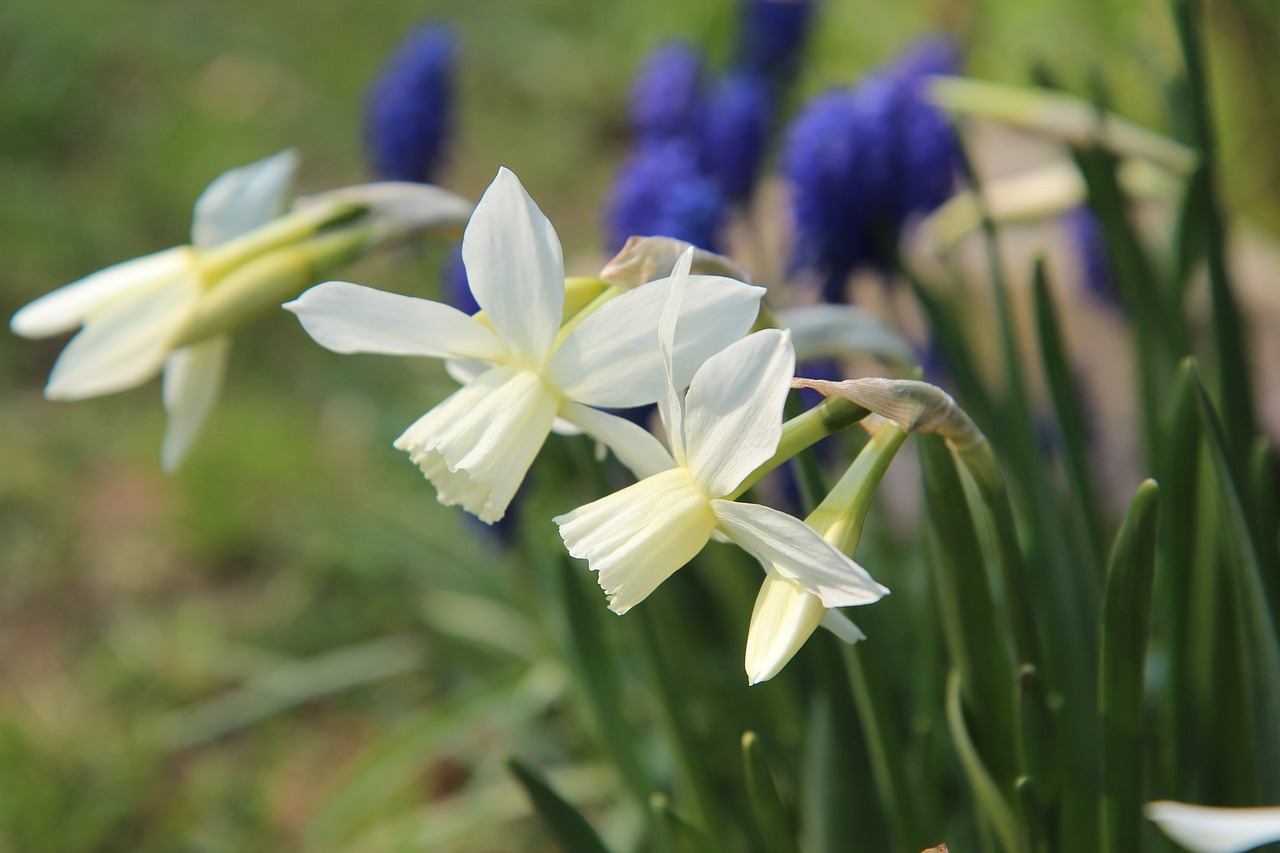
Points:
(529, 365)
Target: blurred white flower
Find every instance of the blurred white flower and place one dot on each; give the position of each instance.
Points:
(521, 371)
(133, 314)
(1206, 829)
(728, 424)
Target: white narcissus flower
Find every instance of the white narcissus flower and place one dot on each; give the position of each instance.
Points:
(784, 617)
(1206, 829)
(133, 314)
(520, 371)
(728, 424)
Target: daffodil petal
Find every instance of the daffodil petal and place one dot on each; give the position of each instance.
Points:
(513, 262)
(634, 446)
(796, 551)
(192, 378)
(349, 318)
(733, 411)
(782, 620)
(242, 199)
(670, 405)
(612, 360)
(638, 537)
(67, 307)
(123, 345)
(477, 445)
(842, 626)
(1206, 829)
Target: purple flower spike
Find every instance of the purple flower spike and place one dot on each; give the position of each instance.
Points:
(410, 106)
(667, 95)
(660, 191)
(862, 162)
(773, 37)
(735, 130)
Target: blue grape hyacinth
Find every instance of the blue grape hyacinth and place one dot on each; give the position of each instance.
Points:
(660, 190)
(667, 94)
(735, 131)
(772, 37)
(410, 106)
(861, 162)
(1090, 243)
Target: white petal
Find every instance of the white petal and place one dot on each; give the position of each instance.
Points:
(670, 405)
(796, 551)
(242, 199)
(733, 411)
(640, 536)
(123, 345)
(612, 359)
(67, 307)
(826, 330)
(477, 445)
(192, 378)
(783, 618)
(842, 626)
(1205, 829)
(399, 207)
(349, 318)
(634, 446)
(513, 262)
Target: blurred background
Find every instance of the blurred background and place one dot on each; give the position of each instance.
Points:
(227, 658)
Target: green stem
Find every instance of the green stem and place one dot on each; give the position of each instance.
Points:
(827, 418)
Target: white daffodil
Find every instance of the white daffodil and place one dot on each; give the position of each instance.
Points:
(1206, 829)
(172, 310)
(133, 313)
(728, 424)
(477, 445)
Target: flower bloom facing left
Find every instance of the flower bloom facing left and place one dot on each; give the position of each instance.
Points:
(133, 314)
(729, 424)
(522, 370)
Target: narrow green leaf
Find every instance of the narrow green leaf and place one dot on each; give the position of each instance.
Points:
(991, 802)
(1178, 469)
(766, 806)
(1066, 404)
(1233, 373)
(1265, 517)
(884, 752)
(1126, 621)
(1257, 650)
(566, 824)
(596, 673)
(973, 626)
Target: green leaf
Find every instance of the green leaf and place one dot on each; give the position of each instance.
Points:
(1233, 373)
(1126, 621)
(565, 823)
(973, 627)
(1256, 650)
(991, 802)
(766, 805)
(1066, 404)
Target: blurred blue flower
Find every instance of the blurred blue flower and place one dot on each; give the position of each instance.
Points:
(660, 191)
(1090, 244)
(410, 106)
(735, 130)
(862, 161)
(457, 288)
(772, 37)
(667, 95)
